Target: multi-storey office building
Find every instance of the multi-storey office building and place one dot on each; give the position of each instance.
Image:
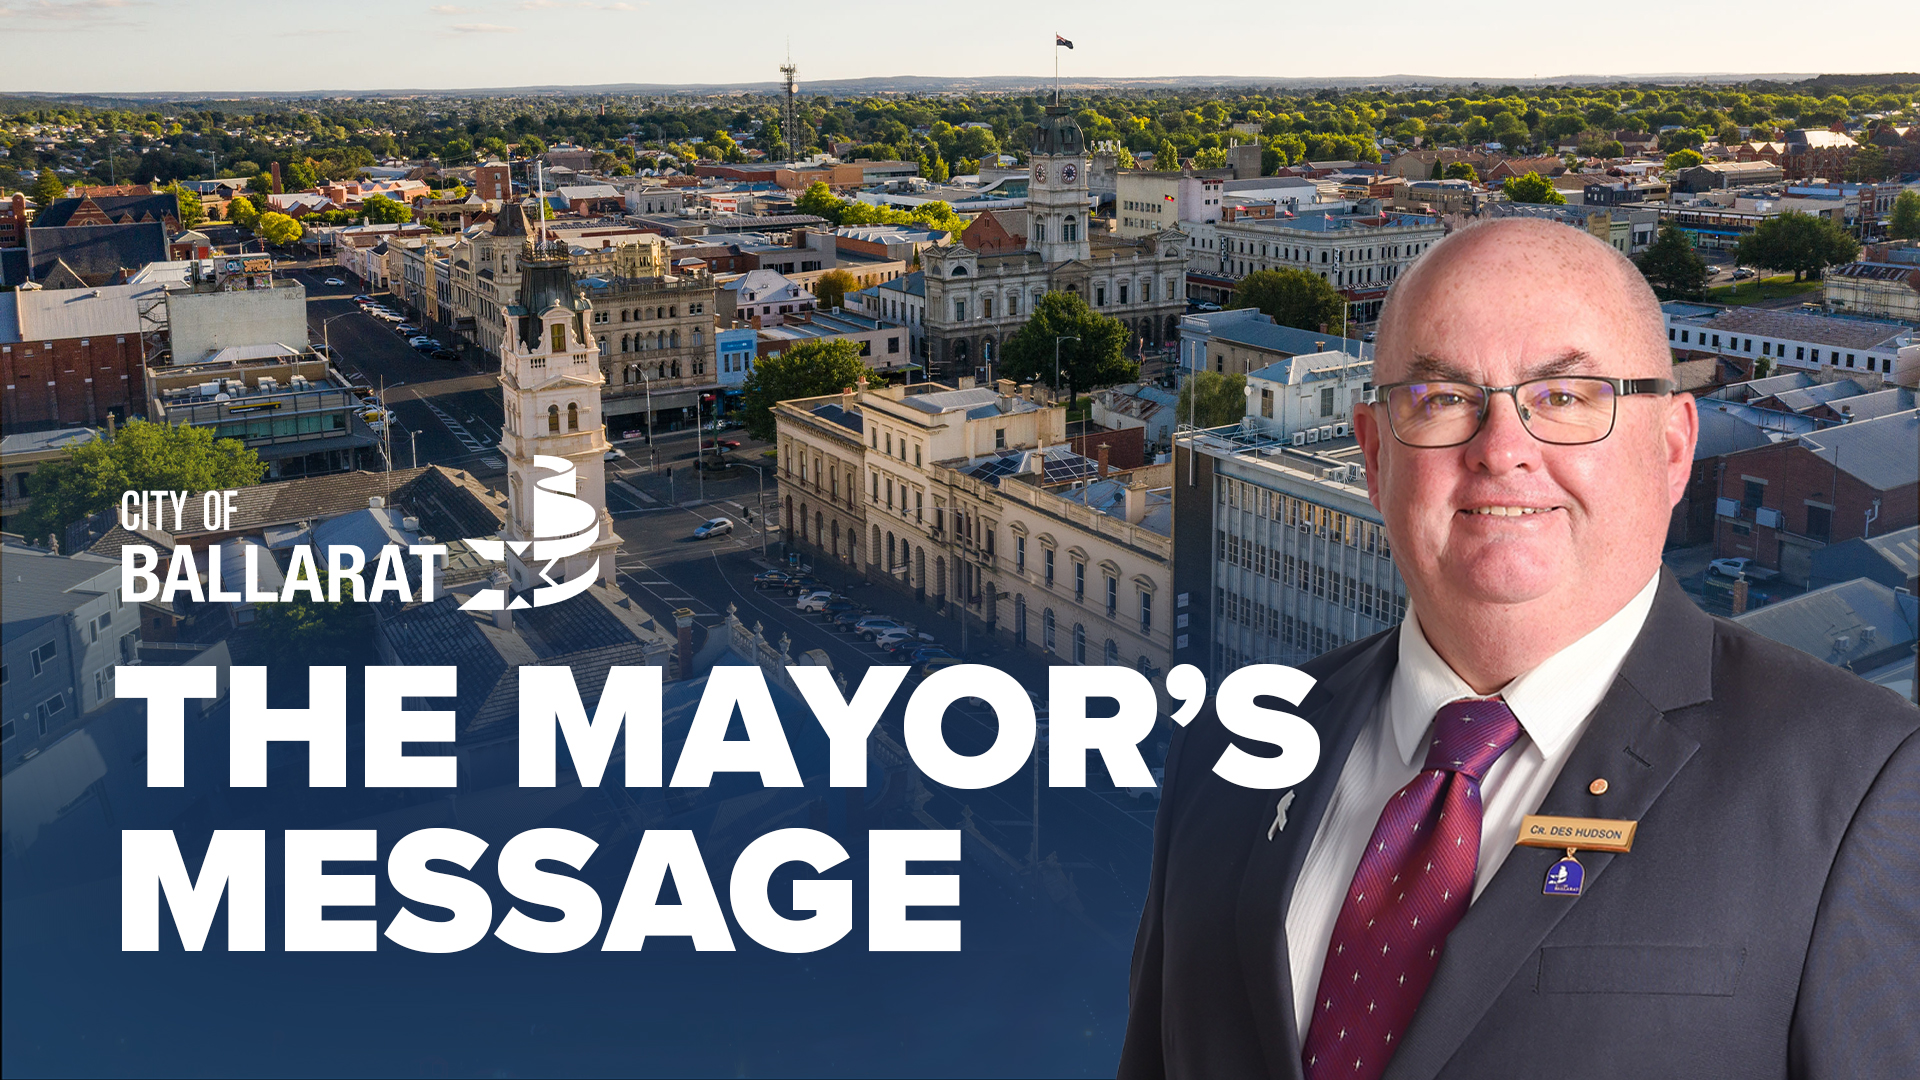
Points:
(1300, 562)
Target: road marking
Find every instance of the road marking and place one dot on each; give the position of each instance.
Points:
(460, 432)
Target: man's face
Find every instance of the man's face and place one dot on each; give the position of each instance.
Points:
(1505, 519)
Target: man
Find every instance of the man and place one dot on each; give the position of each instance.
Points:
(1525, 451)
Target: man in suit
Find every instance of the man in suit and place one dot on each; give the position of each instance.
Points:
(1377, 920)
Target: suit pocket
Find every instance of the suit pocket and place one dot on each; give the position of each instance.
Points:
(1709, 970)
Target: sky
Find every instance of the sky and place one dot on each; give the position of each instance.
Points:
(106, 46)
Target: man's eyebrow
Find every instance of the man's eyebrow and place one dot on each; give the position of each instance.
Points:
(1426, 366)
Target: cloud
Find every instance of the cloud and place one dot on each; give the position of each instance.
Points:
(71, 13)
(485, 28)
(449, 9)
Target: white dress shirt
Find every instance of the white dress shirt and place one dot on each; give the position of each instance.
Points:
(1553, 703)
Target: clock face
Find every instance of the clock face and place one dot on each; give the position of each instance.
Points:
(1068, 172)
(1039, 173)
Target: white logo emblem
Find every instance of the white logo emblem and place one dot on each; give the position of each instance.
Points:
(562, 526)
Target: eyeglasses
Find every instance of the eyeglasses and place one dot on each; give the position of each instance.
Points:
(1566, 410)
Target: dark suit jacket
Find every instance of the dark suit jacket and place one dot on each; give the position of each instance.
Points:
(1765, 924)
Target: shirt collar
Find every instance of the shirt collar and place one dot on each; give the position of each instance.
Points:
(1551, 701)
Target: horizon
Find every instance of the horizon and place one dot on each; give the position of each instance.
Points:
(372, 49)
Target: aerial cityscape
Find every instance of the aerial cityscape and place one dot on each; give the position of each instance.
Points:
(1027, 372)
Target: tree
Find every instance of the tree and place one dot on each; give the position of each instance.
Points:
(48, 186)
(297, 176)
(1460, 170)
(530, 145)
(381, 210)
(241, 212)
(1684, 159)
(303, 633)
(1165, 157)
(1297, 298)
(809, 369)
(1798, 242)
(278, 229)
(1904, 222)
(140, 457)
(820, 201)
(1674, 269)
(1096, 358)
(1212, 157)
(832, 287)
(939, 215)
(1532, 188)
(191, 213)
(1212, 399)
(1125, 160)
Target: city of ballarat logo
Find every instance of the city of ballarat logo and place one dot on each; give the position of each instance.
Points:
(563, 526)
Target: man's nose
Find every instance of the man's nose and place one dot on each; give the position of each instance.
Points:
(1503, 443)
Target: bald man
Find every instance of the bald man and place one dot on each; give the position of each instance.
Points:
(1733, 883)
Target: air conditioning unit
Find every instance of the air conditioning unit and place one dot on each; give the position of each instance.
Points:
(1312, 434)
(1326, 432)
(1341, 431)
(1299, 438)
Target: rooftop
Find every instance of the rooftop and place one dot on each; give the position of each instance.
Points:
(1882, 453)
(978, 403)
(41, 585)
(1795, 326)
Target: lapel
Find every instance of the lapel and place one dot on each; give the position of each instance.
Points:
(1339, 706)
(1630, 743)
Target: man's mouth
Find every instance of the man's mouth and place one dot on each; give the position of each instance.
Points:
(1508, 511)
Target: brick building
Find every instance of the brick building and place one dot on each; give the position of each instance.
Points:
(1780, 503)
(72, 356)
(1816, 152)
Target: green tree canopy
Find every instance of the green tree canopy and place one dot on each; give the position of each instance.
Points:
(381, 210)
(809, 369)
(820, 201)
(278, 229)
(140, 457)
(1532, 188)
(301, 634)
(191, 213)
(48, 186)
(242, 213)
(1097, 357)
(1297, 298)
(1165, 157)
(530, 145)
(1674, 269)
(1684, 159)
(1461, 170)
(1904, 222)
(832, 287)
(1798, 242)
(1212, 399)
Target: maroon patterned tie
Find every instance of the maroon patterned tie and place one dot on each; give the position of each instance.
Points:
(1412, 886)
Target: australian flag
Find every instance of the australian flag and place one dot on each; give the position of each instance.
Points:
(1060, 42)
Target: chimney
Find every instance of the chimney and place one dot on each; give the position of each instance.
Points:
(1136, 503)
(275, 168)
(1740, 595)
(504, 617)
(1102, 451)
(683, 653)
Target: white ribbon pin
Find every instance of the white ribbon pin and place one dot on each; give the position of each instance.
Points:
(1280, 816)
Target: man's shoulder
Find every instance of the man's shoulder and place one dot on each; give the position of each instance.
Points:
(1766, 680)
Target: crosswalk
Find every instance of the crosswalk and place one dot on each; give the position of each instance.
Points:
(466, 438)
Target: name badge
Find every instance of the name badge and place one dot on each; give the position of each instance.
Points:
(1592, 834)
(1567, 877)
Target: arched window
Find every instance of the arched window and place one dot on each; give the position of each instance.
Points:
(1019, 620)
(559, 337)
(1046, 629)
(573, 416)
(553, 418)
(626, 342)
(676, 339)
(1070, 231)
(1113, 652)
(1079, 644)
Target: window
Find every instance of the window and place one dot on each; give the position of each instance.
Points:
(559, 337)
(48, 712)
(1080, 581)
(1113, 596)
(573, 416)
(1326, 402)
(1046, 630)
(1112, 653)
(1046, 567)
(1019, 620)
(1819, 522)
(42, 656)
(959, 310)
(1753, 493)
(1020, 554)
(1000, 438)
(1146, 613)
(1079, 644)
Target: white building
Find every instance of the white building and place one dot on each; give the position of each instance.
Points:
(1786, 340)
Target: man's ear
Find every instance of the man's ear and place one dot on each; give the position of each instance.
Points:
(1366, 431)
(1681, 435)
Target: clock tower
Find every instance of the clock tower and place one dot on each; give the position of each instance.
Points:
(1057, 190)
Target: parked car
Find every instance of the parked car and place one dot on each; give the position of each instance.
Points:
(444, 353)
(1743, 273)
(321, 350)
(407, 330)
(874, 624)
(767, 579)
(363, 298)
(935, 665)
(927, 652)
(813, 601)
(713, 527)
(804, 583)
(836, 606)
(843, 621)
(386, 316)
(333, 282)
(614, 454)
(424, 344)
(727, 444)
(1735, 568)
(902, 639)
(636, 433)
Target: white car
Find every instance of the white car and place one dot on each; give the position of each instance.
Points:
(333, 281)
(813, 601)
(900, 633)
(613, 455)
(713, 527)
